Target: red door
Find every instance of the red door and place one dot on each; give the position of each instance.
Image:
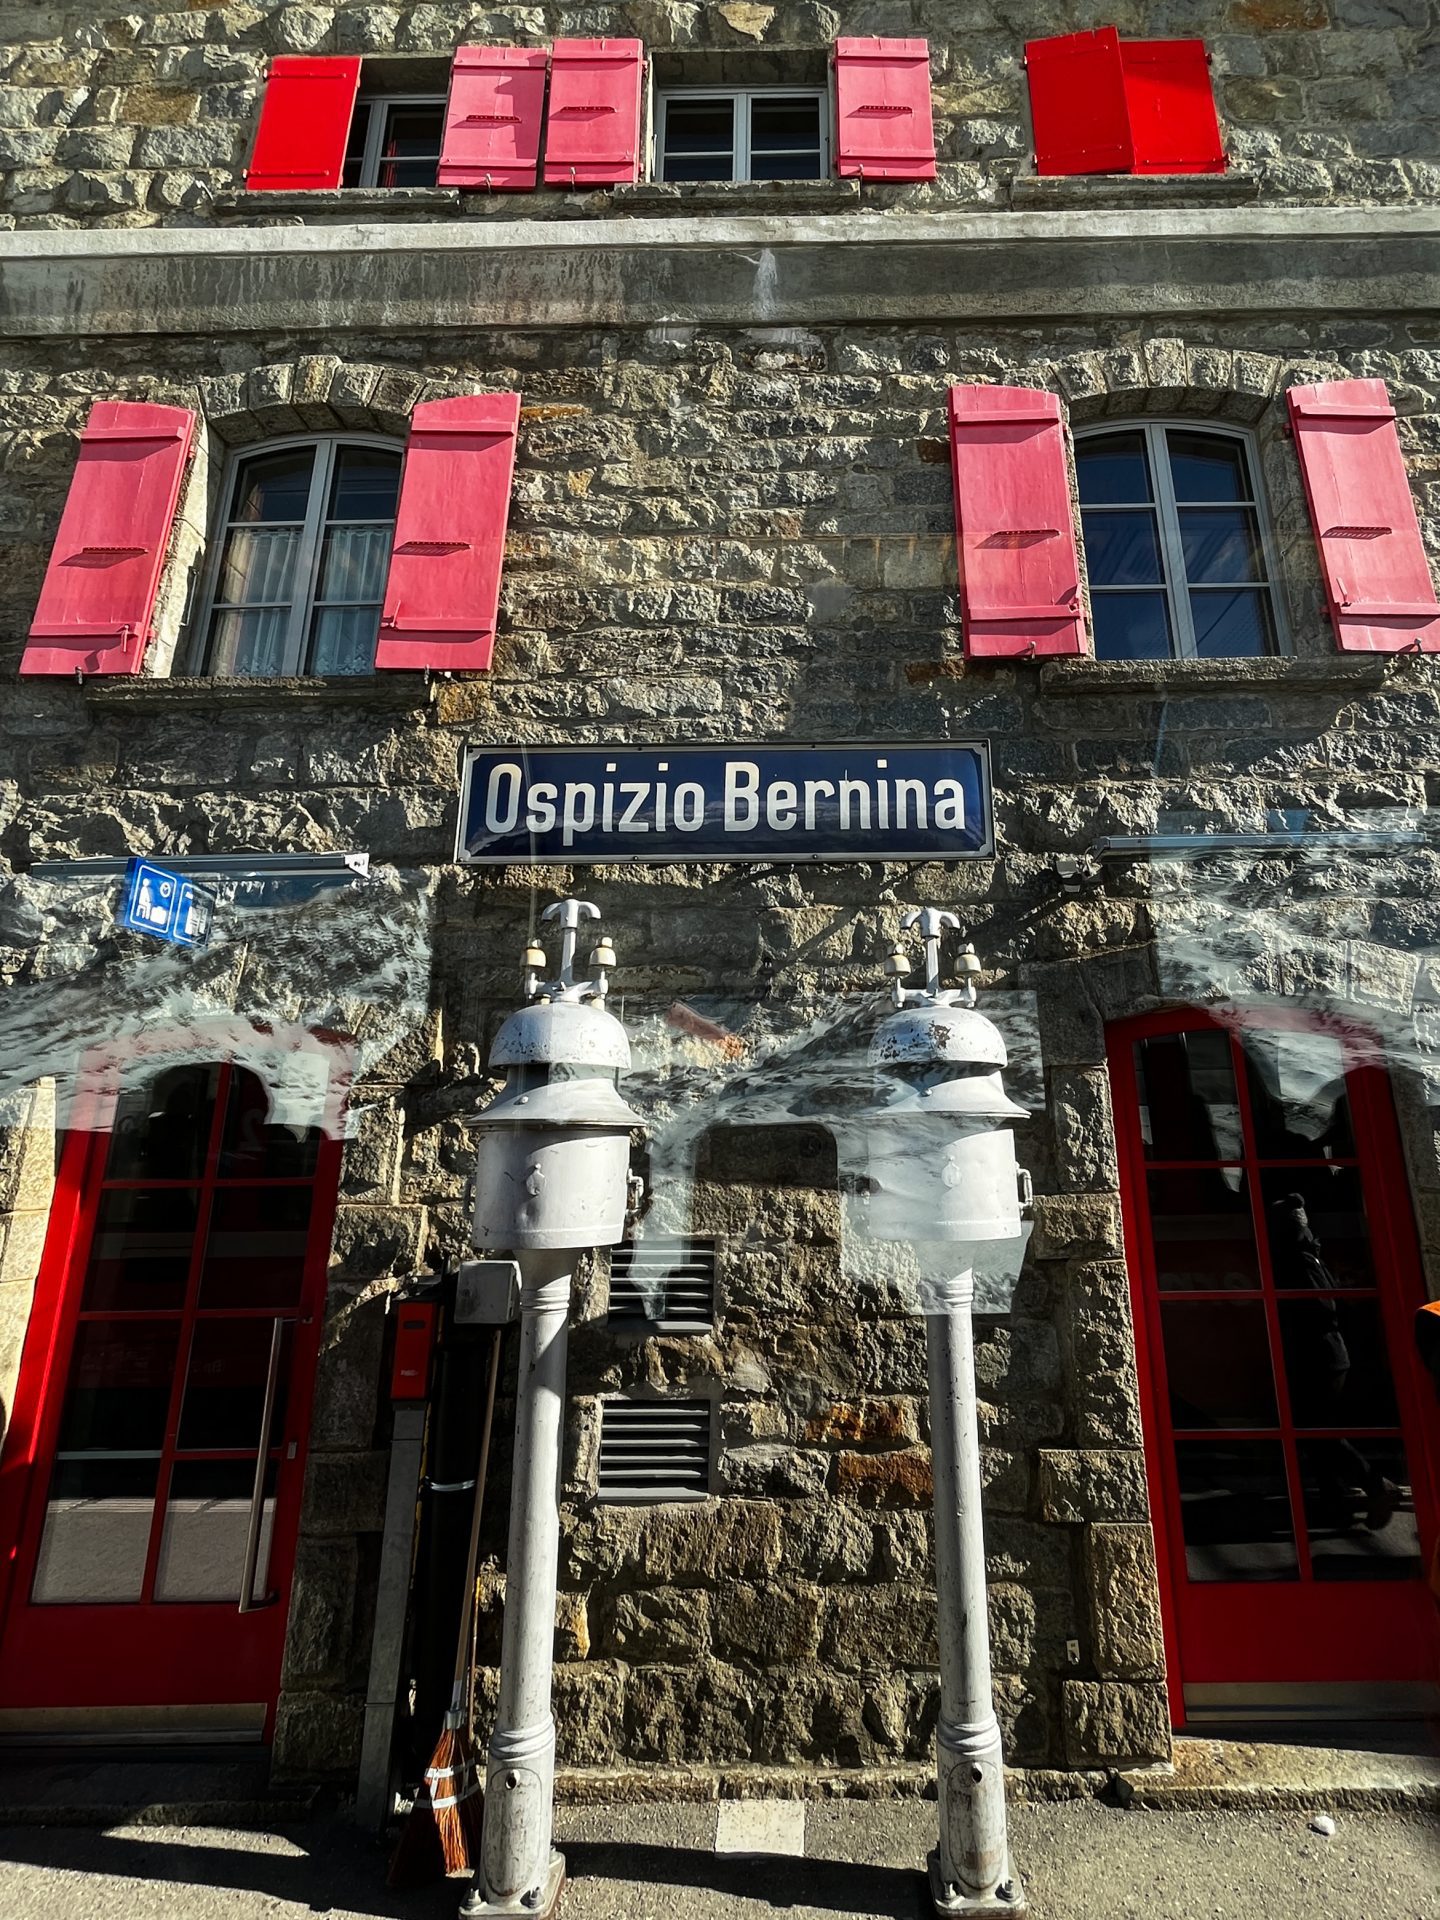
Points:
(156, 1452)
(1274, 1273)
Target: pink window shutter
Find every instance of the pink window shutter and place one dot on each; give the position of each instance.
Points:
(592, 122)
(884, 128)
(1377, 577)
(493, 118)
(443, 594)
(100, 589)
(1014, 527)
(304, 124)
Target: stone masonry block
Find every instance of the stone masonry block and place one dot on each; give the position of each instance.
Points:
(1084, 1130)
(1125, 1629)
(1114, 1722)
(1092, 1483)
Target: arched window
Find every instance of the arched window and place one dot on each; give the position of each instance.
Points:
(301, 558)
(1176, 543)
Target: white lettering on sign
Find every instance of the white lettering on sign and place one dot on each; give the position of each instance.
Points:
(746, 799)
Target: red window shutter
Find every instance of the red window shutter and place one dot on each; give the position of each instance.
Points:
(1015, 537)
(592, 124)
(443, 593)
(492, 119)
(98, 597)
(304, 124)
(1377, 578)
(884, 129)
(1079, 118)
(1172, 107)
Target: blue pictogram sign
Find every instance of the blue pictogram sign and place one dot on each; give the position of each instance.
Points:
(165, 905)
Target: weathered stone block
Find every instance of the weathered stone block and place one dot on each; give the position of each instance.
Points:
(903, 1479)
(1125, 1629)
(1114, 1722)
(777, 1621)
(1094, 1483)
(665, 1624)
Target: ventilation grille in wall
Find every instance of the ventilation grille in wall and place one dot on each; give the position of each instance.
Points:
(663, 1284)
(654, 1449)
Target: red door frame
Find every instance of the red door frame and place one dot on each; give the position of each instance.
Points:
(89, 1673)
(1399, 1285)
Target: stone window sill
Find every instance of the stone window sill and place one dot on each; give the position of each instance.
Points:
(352, 202)
(645, 197)
(1106, 677)
(1059, 193)
(144, 694)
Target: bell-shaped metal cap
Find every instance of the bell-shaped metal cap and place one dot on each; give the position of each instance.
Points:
(579, 1033)
(561, 1103)
(941, 1057)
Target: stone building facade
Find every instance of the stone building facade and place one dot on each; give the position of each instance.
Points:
(732, 521)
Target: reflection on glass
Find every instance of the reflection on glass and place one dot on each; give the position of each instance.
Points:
(1359, 1510)
(97, 1531)
(410, 154)
(1315, 1225)
(1235, 1510)
(225, 1386)
(1231, 623)
(1111, 470)
(207, 1521)
(162, 1125)
(1122, 549)
(1221, 546)
(1217, 1363)
(140, 1255)
(1130, 626)
(255, 1251)
(274, 487)
(1336, 1363)
(784, 139)
(699, 140)
(1206, 466)
(119, 1387)
(1299, 1105)
(1189, 1109)
(366, 484)
(1202, 1231)
(265, 1139)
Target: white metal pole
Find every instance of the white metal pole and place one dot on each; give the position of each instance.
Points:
(518, 1871)
(971, 1872)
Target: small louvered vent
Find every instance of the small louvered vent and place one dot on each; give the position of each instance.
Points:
(654, 1449)
(663, 1283)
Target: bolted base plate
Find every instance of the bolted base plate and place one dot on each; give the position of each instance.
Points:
(986, 1906)
(539, 1905)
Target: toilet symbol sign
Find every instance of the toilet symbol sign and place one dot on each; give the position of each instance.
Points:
(165, 905)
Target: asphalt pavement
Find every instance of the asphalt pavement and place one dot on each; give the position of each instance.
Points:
(1080, 1860)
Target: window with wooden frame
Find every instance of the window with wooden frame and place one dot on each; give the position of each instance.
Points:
(301, 557)
(1177, 543)
(742, 133)
(395, 140)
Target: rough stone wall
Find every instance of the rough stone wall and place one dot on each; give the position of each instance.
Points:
(147, 115)
(724, 535)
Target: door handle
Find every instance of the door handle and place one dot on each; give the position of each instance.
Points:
(262, 1460)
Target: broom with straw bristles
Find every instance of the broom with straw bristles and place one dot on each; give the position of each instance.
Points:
(442, 1834)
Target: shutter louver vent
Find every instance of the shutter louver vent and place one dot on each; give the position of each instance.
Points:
(663, 1284)
(654, 1449)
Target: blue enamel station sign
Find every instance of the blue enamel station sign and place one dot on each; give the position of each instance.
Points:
(582, 805)
(165, 905)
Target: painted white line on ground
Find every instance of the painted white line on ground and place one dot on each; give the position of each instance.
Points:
(761, 1826)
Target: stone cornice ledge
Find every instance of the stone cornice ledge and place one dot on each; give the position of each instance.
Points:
(789, 269)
